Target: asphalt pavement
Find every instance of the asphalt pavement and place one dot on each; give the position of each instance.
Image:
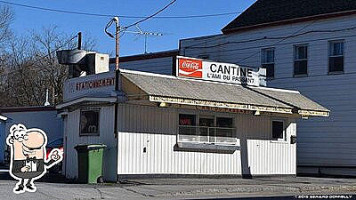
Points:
(52, 187)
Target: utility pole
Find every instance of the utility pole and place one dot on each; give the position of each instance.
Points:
(116, 36)
(117, 40)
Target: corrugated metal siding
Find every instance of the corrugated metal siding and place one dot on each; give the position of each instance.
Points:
(155, 129)
(106, 137)
(321, 141)
(330, 141)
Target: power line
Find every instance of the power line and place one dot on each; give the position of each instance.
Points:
(194, 46)
(232, 52)
(111, 15)
(295, 34)
(151, 16)
(304, 27)
(56, 10)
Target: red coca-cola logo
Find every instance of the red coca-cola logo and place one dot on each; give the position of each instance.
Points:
(190, 68)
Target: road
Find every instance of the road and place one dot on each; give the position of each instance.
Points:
(279, 187)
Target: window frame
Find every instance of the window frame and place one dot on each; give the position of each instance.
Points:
(80, 122)
(198, 116)
(295, 59)
(264, 63)
(284, 139)
(330, 56)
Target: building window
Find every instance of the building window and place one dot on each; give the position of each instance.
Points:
(267, 61)
(187, 124)
(89, 122)
(278, 132)
(211, 129)
(300, 60)
(336, 56)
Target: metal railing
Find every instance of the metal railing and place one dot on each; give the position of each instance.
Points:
(205, 134)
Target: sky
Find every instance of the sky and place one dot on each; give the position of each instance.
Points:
(27, 19)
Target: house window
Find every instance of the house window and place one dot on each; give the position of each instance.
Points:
(267, 61)
(211, 129)
(336, 56)
(278, 131)
(89, 122)
(300, 60)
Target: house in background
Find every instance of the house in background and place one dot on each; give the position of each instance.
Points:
(44, 118)
(305, 45)
(159, 62)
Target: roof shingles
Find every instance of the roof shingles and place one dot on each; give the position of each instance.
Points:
(271, 11)
(219, 92)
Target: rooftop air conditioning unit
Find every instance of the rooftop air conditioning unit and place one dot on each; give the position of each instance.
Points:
(82, 63)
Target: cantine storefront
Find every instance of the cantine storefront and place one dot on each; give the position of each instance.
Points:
(199, 122)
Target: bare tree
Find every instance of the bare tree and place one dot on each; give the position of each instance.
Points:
(6, 17)
(32, 68)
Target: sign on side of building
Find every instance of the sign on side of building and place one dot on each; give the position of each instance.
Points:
(220, 72)
(99, 84)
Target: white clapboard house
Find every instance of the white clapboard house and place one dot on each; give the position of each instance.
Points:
(309, 46)
(184, 124)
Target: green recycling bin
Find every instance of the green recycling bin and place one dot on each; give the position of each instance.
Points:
(90, 163)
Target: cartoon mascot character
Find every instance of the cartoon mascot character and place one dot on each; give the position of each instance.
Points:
(28, 156)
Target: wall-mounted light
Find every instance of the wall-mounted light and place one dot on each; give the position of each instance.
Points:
(257, 113)
(163, 105)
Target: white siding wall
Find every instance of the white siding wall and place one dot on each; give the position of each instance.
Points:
(156, 128)
(321, 141)
(106, 137)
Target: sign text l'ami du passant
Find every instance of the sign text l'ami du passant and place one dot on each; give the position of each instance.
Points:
(220, 72)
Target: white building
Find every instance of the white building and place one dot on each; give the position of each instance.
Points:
(173, 126)
(309, 46)
(159, 63)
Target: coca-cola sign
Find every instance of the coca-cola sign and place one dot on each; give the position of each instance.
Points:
(190, 68)
(220, 72)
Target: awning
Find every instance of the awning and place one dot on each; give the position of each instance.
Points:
(87, 100)
(174, 90)
(302, 104)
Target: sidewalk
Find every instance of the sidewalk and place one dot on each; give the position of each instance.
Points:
(241, 187)
(186, 188)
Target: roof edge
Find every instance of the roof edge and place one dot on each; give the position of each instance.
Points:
(225, 30)
(162, 54)
(27, 109)
(86, 99)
